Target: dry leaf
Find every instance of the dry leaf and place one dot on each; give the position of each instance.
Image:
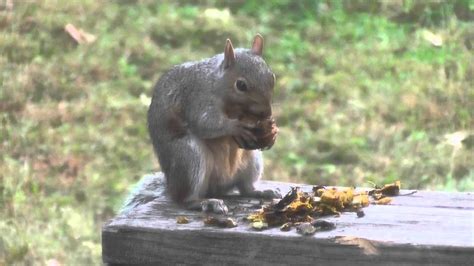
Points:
(79, 35)
(8, 5)
(455, 139)
(434, 39)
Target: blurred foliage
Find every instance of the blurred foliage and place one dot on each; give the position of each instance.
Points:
(366, 91)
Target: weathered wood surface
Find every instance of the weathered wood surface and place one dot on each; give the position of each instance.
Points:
(427, 228)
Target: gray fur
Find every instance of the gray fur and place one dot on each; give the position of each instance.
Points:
(187, 109)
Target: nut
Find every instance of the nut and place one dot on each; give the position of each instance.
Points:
(265, 131)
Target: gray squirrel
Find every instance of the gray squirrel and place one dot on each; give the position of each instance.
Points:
(202, 121)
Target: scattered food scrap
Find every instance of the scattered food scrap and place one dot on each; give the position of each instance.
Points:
(360, 213)
(322, 225)
(286, 227)
(383, 201)
(387, 190)
(182, 220)
(306, 229)
(334, 200)
(381, 195)
(223, 222)
(368, 248)
(303, 210)
(259, 225)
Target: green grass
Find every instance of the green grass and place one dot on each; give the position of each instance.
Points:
(361, 96)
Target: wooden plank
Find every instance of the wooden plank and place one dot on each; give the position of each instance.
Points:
(434, 228)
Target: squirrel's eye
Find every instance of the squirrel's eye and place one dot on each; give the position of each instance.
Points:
(241, 85)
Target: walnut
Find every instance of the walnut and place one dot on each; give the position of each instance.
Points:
(265, 130)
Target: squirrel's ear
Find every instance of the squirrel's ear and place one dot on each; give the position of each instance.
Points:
(257, 45)
(229, 56)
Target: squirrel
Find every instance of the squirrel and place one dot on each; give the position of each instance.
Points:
(202, 122)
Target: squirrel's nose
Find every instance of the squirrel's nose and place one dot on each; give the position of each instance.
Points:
(261, 111)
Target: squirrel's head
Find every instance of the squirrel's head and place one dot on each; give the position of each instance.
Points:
(247, 81)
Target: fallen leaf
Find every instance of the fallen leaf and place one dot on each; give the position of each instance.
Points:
(79, 35)
(434, 39)
(455, 139)
(8, 5)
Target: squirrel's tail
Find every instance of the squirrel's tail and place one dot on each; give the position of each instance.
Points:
(150, 187)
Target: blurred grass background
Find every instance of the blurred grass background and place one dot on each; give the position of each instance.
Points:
(366, 91)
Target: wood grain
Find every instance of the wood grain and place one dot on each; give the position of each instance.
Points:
(427, 228)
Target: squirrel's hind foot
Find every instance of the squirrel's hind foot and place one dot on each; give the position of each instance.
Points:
(214, 205)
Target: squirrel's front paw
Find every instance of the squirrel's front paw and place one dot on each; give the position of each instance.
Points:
(262, 135)
(214, 205)
(243, 134)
